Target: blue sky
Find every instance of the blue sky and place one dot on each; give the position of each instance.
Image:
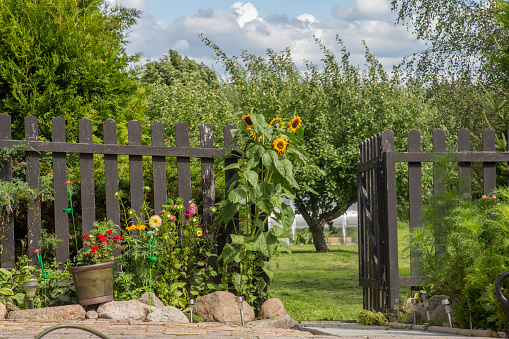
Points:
(258, 25)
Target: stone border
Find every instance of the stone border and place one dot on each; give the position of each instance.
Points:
(448, 330)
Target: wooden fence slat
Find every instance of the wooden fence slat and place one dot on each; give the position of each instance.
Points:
(208, 176)
(34, 181)
(228, 175)
(438, 146)
(59, 186)
(158, 168)
(183, 164)
(135, 168)
(414, 193)
(87, 178)
(7, 223)
(489, 169)
(464, 168)
(111, 172)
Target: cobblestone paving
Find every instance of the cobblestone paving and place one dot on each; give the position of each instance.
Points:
(140, 329)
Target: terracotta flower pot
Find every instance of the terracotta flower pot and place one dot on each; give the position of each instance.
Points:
(94, 283)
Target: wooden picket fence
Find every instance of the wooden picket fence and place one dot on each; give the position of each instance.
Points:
(111, 150)
(377, 209)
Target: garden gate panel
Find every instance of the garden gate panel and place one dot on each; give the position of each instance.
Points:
(377, 204)
(86, 149)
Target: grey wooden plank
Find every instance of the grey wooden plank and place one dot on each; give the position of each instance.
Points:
(414, 194)
(464, 168)
(111, 172)
(135, 168)
(228, 139)
(208, 177)
(159, 168)
(7, 224)
(59, 179)
(183, 163)
(438, 146)
(33, 178)
(489, 169)
(391, 215)
(87, 178)
(162, 151)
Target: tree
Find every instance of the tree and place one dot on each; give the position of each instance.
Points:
(462, 34)
(340, 106)
(66, 58)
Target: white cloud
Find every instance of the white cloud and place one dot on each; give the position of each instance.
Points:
(240, 28)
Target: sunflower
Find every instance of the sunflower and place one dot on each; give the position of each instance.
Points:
(280, 145)
(155, 221)
(277, 122)
(295, 123)
(247, 120)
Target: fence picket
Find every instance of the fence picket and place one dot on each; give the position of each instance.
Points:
(59, 179)
(414, 193)
(87, 178)
(111, 172)
(464, 168)
(489, 168)
(7, 223)
(135, 168)
(183, 163)
(208, 176)
(158, 168)
(34, 181)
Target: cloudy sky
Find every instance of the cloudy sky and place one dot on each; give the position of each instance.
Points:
(257, 25)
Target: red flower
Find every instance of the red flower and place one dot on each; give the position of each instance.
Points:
(37, 250)
(94, 248)
(102, 238)
(68, 182)
(86, 236)
(109, 232)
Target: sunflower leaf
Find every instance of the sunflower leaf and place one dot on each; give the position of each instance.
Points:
(252, 177)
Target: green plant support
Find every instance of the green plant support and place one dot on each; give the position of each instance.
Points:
(71, 210)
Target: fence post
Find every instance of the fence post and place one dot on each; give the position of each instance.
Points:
(208, 176)
(111, 172)
(414, 193)
(135, 168)
(158, 168)
(34, 181)
(87, 178)
(183, 164)
(7, 221)
(59, 179)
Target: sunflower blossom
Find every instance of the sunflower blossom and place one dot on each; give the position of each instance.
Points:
(155, 221)
(280, 145)
(295, 123)
(247, 120)
(277, 122)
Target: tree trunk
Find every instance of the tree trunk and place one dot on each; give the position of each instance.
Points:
(316, 229)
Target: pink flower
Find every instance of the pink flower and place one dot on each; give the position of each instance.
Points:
(493, 196)
(192, 209)
(187, 215)
(484, 196)
(173, 218)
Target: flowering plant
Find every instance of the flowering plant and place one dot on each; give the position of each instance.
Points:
(99, 245)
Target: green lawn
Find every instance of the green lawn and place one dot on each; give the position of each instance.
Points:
(319, 286)
(325, 286)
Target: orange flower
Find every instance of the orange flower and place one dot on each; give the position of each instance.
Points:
(280, 145)
(295, 123)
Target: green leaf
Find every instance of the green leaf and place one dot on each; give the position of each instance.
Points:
(6, 275)
(269, 268)
(285, 247)
(261, 244)
(261, 196)
(232, 166)
(269, 158)
(277, 231)
(228, 254)
(284, 167)
(236, 195)
(238, 239)
(6, 291)
(287, 216)
(239, 282)
(229, 211)
(309, 189)
(277, 201)
(252, 177)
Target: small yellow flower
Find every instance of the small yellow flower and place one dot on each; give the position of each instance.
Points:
(247, 120)
(280, 145)
(130, 228)
(295, 123)
(140, 227)
(155, 221)
(199, 233)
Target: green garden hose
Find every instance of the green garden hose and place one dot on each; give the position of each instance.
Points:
(80, 327)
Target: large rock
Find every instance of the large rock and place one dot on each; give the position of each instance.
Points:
(221, 306)
(131, 309)
(168, 314)
(151, 299)
(3, 311)
(436, 309)
(67, 312)
(272, 308)
(284, 321)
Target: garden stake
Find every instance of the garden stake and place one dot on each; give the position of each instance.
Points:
(44, 275)
(191, 305)
(425, 300)
(240, 300)
(396, 307)
(414, 302)
(447, 305)
(151, 259)
(71, 210)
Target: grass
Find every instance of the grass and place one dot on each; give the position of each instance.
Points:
(325, 286)
(319, 286)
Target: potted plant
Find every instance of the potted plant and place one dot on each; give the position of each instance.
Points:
(93, 265)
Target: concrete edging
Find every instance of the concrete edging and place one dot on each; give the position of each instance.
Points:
(448, 330)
